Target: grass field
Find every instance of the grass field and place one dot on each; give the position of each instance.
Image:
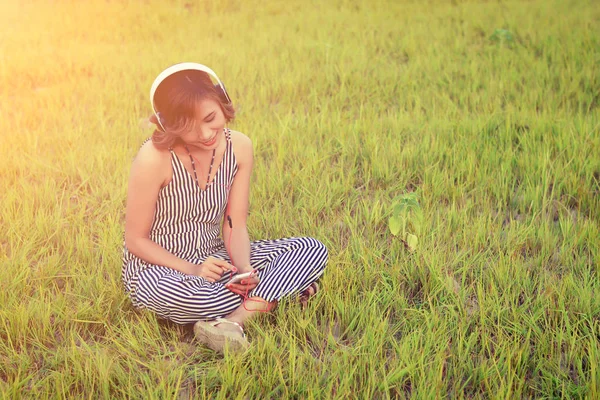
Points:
(489, 111)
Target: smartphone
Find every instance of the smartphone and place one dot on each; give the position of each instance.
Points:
(239, 277)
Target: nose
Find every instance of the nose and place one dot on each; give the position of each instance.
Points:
(205, 134)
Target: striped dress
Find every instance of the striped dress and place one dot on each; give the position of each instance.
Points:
(187, 223)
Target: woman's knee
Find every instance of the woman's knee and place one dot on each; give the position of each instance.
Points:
(316, 248)
(169, 298)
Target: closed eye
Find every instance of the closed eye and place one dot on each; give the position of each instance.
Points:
(209, 117)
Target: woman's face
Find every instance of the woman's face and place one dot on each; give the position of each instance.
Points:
(209, 125)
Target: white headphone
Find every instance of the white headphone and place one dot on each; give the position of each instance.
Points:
(186, 66)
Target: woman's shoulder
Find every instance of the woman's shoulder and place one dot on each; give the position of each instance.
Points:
(152, 160)
(239, 139)
(242, 145)
(149, 153)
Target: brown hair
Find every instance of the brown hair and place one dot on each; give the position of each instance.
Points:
(175, 101)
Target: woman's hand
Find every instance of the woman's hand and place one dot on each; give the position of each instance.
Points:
(245, 286)
(244, 269)
(212, 269)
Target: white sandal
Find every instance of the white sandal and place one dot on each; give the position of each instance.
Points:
(217, 339)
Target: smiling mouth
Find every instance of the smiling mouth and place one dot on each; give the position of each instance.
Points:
(209, 142)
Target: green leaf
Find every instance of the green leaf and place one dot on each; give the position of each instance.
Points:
(502, 35)
(407, 215)
(406, 201)
(399, 209)
(412, 241)
(395, 224)
(417, 221)
(412, 203)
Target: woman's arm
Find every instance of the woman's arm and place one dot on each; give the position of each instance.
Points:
(149, 172)
(235, 231)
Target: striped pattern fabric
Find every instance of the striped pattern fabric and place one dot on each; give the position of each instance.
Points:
(187, 223)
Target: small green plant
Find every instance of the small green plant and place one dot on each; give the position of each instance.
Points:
(406, 219)
(502, 36)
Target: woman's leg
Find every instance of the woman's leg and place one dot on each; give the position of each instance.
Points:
(285, 267)
(182, 298)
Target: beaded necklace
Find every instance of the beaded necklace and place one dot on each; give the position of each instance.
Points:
(194, 166)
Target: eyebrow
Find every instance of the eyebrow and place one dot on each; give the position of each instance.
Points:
(209, 115)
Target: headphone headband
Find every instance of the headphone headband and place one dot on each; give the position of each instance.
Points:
(185, 66)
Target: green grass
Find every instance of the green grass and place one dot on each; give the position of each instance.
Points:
(348, 104)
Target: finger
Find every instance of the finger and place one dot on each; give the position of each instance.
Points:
(238, 287)
(223, 264)
(213, 268)
(235, 290)
(212, 276)
(238, 292)
(245, 288)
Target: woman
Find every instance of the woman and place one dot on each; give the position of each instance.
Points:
(185, 227)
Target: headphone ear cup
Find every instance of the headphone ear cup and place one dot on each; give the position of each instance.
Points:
(161, 120)
(222, 92)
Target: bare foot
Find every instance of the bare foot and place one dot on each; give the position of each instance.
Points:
(308, 293)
